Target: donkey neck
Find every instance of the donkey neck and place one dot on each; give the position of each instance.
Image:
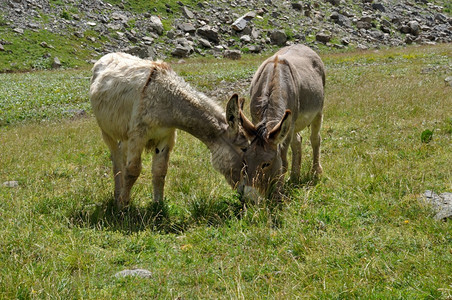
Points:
(193, 112)
(182, 107)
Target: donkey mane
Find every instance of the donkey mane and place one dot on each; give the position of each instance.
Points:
(269, 105)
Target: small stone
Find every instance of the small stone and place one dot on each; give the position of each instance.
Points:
(134, 272)
(448, 80)
(245, 38)
(187, 13)
(232, 54)
(297, 6)
(56, 63)
(11, 183)
(187, 27)
(254, 48)
(205, 43)
(182, 51)
(45, 45)
(441, 203)
(323, 37)
(18, 30)
(278, 37)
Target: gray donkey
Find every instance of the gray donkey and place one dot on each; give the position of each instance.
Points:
(287, 95)
(139, 104)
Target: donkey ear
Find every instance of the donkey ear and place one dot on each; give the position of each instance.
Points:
(249, 129)
(282, 129)
(232, 113)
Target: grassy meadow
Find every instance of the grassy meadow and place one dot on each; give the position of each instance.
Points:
(358, 232)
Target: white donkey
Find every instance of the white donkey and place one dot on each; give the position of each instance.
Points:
(139, 104)
(287, 94)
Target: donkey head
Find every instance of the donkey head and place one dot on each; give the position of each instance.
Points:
(263, 172)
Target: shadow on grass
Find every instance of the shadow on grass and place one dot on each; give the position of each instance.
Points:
(157, 216)
(106, 215)
(306, 181)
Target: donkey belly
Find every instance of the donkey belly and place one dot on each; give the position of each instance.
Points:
(304, 119)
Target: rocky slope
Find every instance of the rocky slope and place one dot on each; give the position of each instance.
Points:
(229, 28)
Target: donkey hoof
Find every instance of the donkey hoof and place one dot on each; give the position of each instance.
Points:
(317, 170)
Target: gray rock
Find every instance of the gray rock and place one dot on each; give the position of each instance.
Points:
(45, 45)
(297, 6)
(11, 184)
(205, 43)
(56, 64)
(232, 54)
(323, 37)
(156, 25)
(278, 37)
(144, 52)
(187, 13)
(209, 33)
(448, 81)
(2, 48)
(33, 25)
(187, 27)
(441, 203)
(182, 51)
(134, 272)
(239, 24)
(345, 41)
(405, 29)
(245, 38)
(334, 2)
(378, 6)
(242, 22)
(255, 33)
(254, 48)
(414, 27)
(18, 30)
(363, 25)
(340, 19)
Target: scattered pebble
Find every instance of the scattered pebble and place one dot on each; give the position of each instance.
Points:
(134, 272)
(11, 183)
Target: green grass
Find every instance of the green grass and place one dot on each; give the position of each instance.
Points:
(25, 52)
(359, 232)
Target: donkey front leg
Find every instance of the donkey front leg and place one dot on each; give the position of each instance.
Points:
(315, 143)
(296, 158)
(117, 158)
(160, 166)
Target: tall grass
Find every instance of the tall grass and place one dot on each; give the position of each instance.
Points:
(359, 232)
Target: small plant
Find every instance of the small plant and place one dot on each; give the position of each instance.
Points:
(426, 136)
(66, 15)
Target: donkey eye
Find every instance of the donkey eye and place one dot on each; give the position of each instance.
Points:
(265, 165)
(243, 149)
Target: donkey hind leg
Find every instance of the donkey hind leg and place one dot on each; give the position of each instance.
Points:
(315, 143)
(296, 157)
(117, 158)
(160, 165)
(134, 148)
